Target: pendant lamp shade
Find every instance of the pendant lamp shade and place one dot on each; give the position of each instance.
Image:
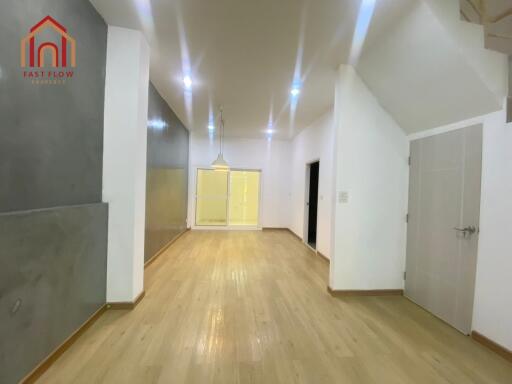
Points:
(220, 163)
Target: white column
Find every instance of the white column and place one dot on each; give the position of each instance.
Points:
(371, 184)
(124, 161)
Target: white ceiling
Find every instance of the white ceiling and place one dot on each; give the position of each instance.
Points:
(425, 66)
(428, 75)
(243, 54)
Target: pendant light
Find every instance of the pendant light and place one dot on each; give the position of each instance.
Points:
(220, 164)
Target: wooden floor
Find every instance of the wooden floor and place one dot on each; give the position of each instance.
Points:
(252, 307)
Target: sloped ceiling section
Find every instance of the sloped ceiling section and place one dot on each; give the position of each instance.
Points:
(490, 65)
(496, 16)
(422, 73)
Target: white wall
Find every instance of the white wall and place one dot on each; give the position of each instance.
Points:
(272, 158)
(124, 160)
(372, 166)
(314, 143)
(492, 311)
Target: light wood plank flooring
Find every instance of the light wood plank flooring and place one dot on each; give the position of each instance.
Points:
(252, 307)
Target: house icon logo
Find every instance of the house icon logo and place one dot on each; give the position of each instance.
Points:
(48, 53)
(37, 47)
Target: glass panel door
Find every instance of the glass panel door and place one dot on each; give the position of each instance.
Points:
(212, 197)
(227, 198)
(244, 198)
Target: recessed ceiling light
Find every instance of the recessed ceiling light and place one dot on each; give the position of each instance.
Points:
(269, 132)
(295, 91)
(187, 82)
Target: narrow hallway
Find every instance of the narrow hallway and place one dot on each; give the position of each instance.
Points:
(252, 307)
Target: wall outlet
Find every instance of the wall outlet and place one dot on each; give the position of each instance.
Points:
(343, 197)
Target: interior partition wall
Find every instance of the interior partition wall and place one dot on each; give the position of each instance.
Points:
(166, 176)
(227, 198)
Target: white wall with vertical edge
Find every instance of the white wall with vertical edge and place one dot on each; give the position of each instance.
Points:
(369, 238)
(124, 160)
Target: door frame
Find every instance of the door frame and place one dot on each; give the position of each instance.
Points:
(306, 201)
(226, 227)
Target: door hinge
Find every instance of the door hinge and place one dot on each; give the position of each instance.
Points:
(405, 275)
(409, 160)
(407, 218)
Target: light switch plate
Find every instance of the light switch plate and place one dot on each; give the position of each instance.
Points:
(343, 197)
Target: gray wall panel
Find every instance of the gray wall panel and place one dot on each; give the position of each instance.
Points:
(52, 260)
(51, 136)
(52, 279)
(167, 175)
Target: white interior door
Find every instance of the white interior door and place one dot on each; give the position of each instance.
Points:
(444, 215)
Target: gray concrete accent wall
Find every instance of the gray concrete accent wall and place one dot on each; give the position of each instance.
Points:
(52, 279)
(51, 136)
(167, 175)
(53, 226)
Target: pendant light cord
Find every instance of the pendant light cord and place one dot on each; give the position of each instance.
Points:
(221, 132)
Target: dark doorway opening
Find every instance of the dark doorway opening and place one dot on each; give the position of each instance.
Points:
(314, 169)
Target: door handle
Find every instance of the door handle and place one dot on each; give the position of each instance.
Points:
(468, 230)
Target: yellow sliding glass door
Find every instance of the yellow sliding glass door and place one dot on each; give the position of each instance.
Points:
(244, 198)
(227, 198)
(212, 197)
